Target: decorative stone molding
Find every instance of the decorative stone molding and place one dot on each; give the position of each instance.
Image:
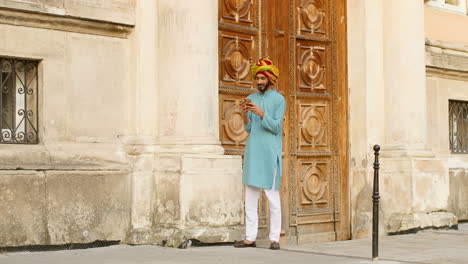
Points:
(446, 60)
(64, 23)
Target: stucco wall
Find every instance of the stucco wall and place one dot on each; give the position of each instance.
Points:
(441, 88)
(445, 26)
(104, 168)
(447, 78)
(83, 82)
(388, 106)
(55, 192)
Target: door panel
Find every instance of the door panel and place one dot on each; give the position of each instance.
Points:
(238, 48)
(312, 60)
(237, 51)
(313, 126)
(306, 40)
(238, 12)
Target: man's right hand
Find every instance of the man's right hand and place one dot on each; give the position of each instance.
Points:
(245, 109)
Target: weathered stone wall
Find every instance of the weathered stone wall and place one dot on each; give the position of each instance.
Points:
(125, 152)
(196, 197)
(61, 207)
(391, 104)
(74, 186)
(447, 78)
(115, 11)
(366, 122)
(459, 193)
(191, 188)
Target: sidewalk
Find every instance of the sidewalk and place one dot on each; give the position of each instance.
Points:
(430, 246)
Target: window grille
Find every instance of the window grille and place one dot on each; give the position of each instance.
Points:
(458, 126)
(458, 6)
(18, 101)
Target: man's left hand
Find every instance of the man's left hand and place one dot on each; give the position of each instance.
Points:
(256, 110)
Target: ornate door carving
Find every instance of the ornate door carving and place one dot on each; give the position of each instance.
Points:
(306, 39)
(238, 47)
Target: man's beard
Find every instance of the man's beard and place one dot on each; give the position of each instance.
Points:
(264, 88)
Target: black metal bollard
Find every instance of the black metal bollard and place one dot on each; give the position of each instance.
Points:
(375, 210)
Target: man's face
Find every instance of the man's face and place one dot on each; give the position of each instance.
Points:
(262, 82)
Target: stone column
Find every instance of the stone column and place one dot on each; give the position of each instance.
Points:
(404, 73)
(188, 76)
(141, 139)
(414, 181)
(198, 189)
(366, 97)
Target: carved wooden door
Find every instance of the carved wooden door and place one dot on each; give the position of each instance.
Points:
(306, 40)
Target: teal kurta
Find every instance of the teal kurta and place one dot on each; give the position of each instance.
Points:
(262, 154)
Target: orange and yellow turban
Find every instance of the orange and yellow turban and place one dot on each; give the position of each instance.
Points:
(266, 67)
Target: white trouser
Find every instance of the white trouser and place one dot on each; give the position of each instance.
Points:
(252, 194)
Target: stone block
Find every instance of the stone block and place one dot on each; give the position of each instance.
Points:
(198, 162)
(143, 163)
(63, 156)
(395, 192)
(228, 162)
(458, 197)
(212, 198)
(202, 200)
(87, 206)
(87, 156)
(26, 157)
(430, 165)
(413, 222)
(413, 192)
(430, 186)
(420, 220)
(22, 208)
(443, 219)
(142, 195)
(167, 163)
(166, 197)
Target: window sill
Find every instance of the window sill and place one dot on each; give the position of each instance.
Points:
(448, 8)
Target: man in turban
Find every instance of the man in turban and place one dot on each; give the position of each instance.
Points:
(263, 117)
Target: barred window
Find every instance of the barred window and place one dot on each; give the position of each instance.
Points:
(458, 126)
(19, 101)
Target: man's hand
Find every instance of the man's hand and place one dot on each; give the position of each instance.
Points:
(245, 108)
(255, 109)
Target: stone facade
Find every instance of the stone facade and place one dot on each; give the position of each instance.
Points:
(399, 99)
(125, 153)
(447, 79)
(129, 148)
